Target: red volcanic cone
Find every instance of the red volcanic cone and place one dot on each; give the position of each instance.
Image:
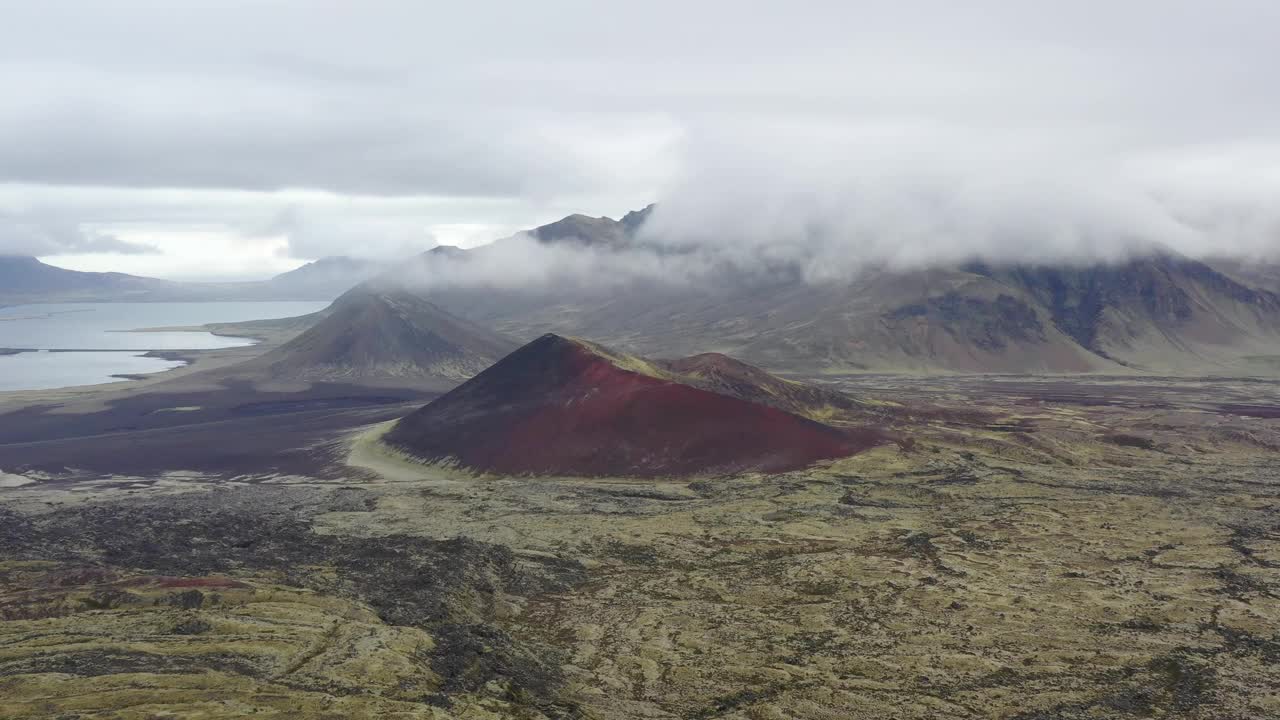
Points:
(566, 407)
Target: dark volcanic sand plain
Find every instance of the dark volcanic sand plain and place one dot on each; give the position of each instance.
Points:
(210, 417)
(1028, 549)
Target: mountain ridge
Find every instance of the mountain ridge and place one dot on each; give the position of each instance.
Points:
(1157, 313)
(1160, 312)
(26, 279)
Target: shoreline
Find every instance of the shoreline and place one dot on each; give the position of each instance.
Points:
(147, 351)
(195, 360)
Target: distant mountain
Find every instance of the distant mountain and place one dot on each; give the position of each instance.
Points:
(325, 278)
(929, 320)
(597, 232)
(445, 251)
(1157, 313)
(27, 280)
(594, 232)
(561, 406)
(369, 334)
(1260, 274)
(878, 321)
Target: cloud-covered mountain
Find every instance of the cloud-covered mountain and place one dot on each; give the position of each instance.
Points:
(632, 285)
(1255, 272)
(325, 278)
(620, 282)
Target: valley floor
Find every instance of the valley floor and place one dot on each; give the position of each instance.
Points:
(1028, 548)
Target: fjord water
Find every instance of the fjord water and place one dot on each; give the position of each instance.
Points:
(100, 333)
(44, 370)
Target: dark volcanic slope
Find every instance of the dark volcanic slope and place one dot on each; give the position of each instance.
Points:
(1163, 303)
(566, 407)
(1259, 274)
(373, 334)
(593, 232)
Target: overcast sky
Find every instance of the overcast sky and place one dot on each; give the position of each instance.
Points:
(236, 139)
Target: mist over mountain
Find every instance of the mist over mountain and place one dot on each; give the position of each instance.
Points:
(834, 198)
(625, 282)
(327, 277)
(1251, 271)
(827, 183)
(810, 299)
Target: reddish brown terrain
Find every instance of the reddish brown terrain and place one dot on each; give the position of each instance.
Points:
(722, 374)
(559, 406)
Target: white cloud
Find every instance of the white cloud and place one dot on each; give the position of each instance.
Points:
(48, 234)
(189, 254)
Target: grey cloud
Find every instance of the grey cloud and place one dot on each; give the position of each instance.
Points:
(44, 235)
(312, 224)
(836, 133)
(312, 235)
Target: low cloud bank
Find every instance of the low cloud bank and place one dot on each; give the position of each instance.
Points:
(837, 201)
(820, 208)
(36, 234)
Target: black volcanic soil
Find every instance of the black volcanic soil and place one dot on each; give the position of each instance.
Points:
(235, 430)
(565, 407)
(374, 356)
